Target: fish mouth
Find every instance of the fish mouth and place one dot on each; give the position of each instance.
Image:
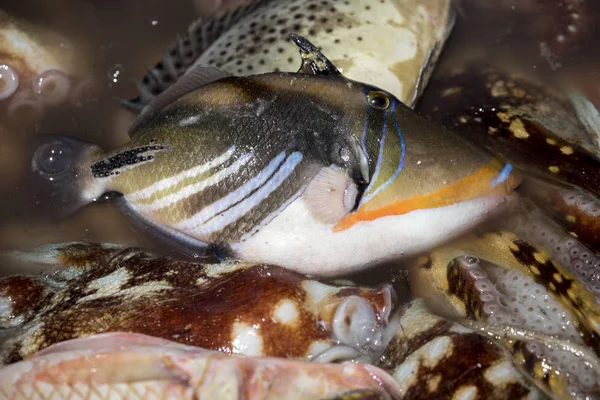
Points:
(495, 179)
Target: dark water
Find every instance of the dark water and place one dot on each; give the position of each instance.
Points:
(116, 39)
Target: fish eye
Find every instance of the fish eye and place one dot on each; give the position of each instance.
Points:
(53, 159)
(378, 100)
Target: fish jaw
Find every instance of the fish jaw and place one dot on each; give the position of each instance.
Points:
(296, 240)
(120, 363)
(493, 179)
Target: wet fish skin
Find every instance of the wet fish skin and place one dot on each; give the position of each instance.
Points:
(392, 44)
(123, 366)
(236, 308)
(346, 160)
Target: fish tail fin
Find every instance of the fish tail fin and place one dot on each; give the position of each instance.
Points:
(201, 34)
(58, 180)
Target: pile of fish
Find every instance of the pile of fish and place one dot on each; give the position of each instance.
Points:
(288, 180)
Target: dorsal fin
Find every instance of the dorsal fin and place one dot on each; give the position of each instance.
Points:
(197, 77)
(201, 34)
(313, 61)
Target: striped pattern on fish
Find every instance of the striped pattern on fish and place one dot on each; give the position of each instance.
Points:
(313, 157)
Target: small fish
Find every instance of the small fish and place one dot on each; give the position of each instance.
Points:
(392, 44)
(131, 366)
(308, 170)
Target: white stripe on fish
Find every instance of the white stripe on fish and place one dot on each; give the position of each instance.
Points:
(242, 208)
(238, 195)
(198, 187)
(174, 180)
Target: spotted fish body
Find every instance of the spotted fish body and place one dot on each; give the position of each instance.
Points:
(236, 308)
(290, 168)
(435, 358)
(392, 44)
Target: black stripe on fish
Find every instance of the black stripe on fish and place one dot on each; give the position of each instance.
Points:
(128, 158)
(265, 210)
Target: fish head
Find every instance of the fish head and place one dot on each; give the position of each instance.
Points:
(405, 162)
(414, 165)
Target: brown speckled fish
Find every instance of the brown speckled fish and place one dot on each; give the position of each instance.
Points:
(391, 44)
(235, 308)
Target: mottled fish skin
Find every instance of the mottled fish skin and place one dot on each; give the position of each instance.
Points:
(515, 253)
(533, 127)
(392, 44)
(125, 366)
(434, 358)
(235, 308)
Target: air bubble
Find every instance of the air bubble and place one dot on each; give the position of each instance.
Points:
(114, 73)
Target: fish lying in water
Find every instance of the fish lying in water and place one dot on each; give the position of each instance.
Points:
(232, 307)
(126, 366)
(309, 170)
(392, 44)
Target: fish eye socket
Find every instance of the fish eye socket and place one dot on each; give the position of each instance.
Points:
(378, 100)
(53, 159)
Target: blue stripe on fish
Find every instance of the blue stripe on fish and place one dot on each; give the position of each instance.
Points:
(242, 208)
(379, 158)
(364, 132)
(238, 195)
(400, 163)
(502, 175)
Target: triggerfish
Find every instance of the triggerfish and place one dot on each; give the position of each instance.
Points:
(308, 170)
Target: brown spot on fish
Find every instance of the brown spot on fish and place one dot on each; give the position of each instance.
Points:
(219, 306)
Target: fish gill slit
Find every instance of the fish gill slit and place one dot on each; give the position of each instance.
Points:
(379, 160)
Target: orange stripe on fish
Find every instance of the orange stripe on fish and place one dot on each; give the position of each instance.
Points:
(474, 185)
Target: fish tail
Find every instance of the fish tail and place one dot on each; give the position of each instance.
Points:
(200, 35)
(59, 179)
